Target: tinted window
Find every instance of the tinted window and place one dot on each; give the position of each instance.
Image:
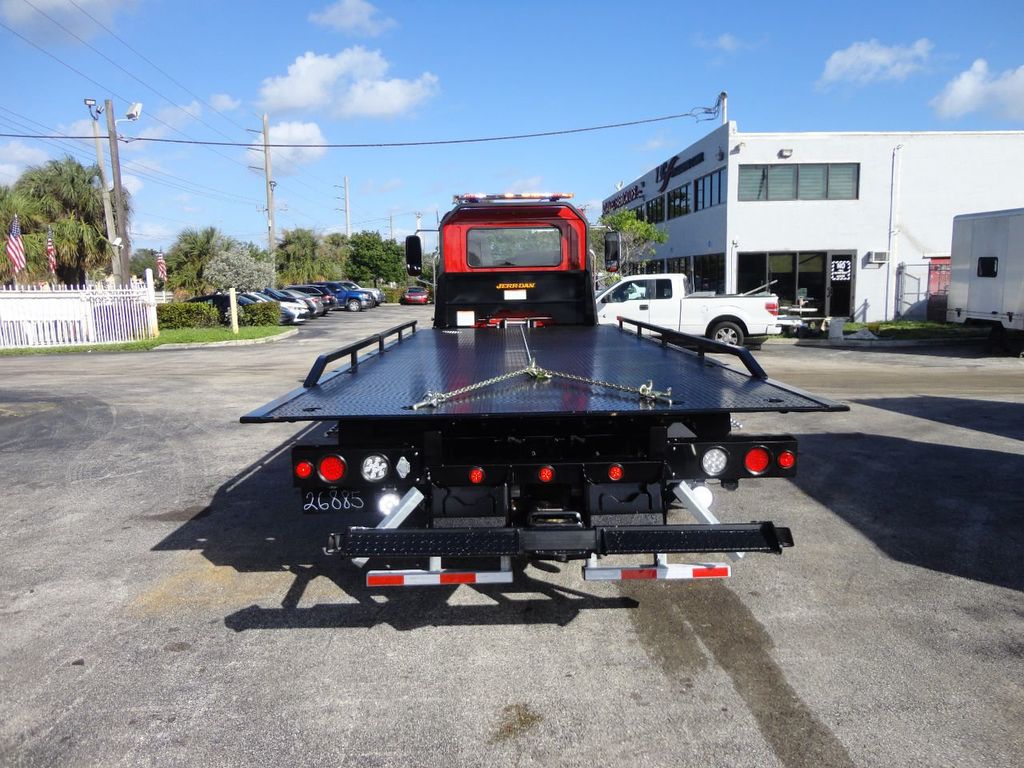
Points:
(988, 266)
(514, 247)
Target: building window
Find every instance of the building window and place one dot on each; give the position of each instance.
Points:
(656, 210)
(709, 190)
(709, 273)
(800, 181)
(678, 201)
(638, 212)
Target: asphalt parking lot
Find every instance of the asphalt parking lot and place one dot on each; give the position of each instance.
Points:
(163, 602)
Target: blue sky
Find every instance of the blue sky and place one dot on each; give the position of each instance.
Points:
(353, 71)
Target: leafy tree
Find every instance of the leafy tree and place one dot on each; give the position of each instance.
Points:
(335, 249)
(237, 267)
(638, 237)
(374, 259)
(188, 257)
(143, 259)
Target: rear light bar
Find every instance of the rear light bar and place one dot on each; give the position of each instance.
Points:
(747, 458)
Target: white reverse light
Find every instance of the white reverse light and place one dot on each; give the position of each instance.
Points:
(375, 468)
(387, 503)
(704, 495)
(713, 461)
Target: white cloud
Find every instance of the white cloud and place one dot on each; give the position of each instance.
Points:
(724, 42)
(132, 183)
(868, 62)
(354, 16)
(15, 157)
(528, 184)
(977, 89)
(653, 143)
(222, 102)
(149, 234)
(285, 160)
(179, 116)
(349, 84)
(20, 14)
(380, 187)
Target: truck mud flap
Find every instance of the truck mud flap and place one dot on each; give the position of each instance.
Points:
(472, 542)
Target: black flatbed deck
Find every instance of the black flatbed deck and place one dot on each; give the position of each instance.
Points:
(386, 383)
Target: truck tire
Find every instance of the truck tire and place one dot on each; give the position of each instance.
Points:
(727, 332)
(352, 305)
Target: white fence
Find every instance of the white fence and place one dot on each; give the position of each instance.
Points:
(63, 316)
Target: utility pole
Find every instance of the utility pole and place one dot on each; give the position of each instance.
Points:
(348, 220)
(108, 213)
(391, 227)
(268, 173)
(124, 253)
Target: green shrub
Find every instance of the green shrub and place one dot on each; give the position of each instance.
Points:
(186, 315)
(262, 313)
(392, 295)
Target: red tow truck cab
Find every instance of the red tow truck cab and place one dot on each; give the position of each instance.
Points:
(503, 257)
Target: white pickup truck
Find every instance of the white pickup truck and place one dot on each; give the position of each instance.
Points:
(664, 300)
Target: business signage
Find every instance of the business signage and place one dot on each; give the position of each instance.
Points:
(624, 197)
(668, 170)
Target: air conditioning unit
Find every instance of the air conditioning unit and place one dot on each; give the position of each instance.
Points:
(878, 257)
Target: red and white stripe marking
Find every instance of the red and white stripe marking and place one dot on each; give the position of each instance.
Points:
(669, 571)
(435, 578)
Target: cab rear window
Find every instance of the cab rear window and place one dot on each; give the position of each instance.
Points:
(490, 247)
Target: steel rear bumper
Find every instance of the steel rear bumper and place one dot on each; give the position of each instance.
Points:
(471, 542)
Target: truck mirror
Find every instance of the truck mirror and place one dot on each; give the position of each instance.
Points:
(612, 247)
(414, 255)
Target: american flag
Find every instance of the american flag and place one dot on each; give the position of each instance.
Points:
(161, 266)
(15, 247)
(51, 251)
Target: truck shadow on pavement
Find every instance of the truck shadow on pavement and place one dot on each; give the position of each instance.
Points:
(948, 508)
(991, 416)
(254, 525)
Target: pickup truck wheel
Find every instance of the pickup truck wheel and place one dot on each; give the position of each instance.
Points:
(352, 305)
(727, 332)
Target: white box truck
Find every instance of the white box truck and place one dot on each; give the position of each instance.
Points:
(986, 285)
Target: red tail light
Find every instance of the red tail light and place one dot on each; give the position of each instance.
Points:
(757, 460)
(332, 468)
(772, 307)
(304, 469)
(476, 475)
(615, 472)
(546, 474)
(786, 460)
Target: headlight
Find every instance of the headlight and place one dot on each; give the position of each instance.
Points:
(375, 468)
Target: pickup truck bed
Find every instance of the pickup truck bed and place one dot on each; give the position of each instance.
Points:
(408, 364)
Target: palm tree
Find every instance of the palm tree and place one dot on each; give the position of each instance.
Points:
(67, 199)
(190, 254)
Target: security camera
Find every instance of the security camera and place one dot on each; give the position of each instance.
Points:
(117, 242)
(134, 111)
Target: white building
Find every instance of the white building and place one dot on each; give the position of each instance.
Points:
(845, 224)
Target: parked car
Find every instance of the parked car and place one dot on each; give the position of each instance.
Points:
(292, 312)
(329, 298)
(351, 299)
(223, 303)
(338, 285)
(414, 294)
(316, 305)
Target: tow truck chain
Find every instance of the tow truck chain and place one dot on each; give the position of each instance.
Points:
(647, 392)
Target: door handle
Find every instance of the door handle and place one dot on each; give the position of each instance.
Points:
(645, 306)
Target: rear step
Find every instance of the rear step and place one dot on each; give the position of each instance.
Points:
(435, 575)
(659, 569)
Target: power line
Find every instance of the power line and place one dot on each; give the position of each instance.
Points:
(154, 65)
(699, 114)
